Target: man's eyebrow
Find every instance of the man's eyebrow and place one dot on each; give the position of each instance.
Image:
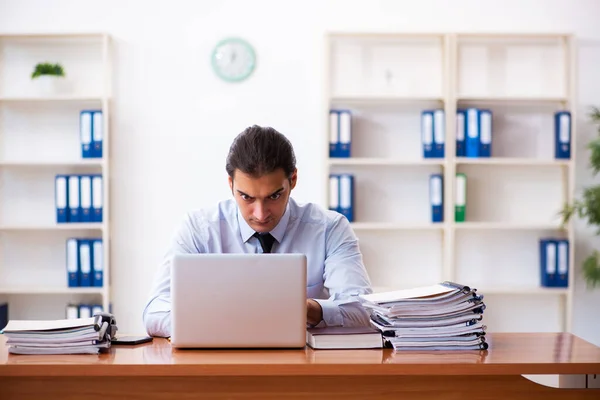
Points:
(272, 194)
(243, 194)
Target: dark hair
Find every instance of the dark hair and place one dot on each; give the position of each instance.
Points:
(260, 150)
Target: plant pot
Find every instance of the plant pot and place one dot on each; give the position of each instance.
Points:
(48, 85)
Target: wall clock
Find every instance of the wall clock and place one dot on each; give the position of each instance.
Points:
(233, 59)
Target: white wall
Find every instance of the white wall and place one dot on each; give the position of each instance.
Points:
(173, 120)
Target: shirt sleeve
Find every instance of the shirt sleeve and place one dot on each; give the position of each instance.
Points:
(345, 277)
(157, 312)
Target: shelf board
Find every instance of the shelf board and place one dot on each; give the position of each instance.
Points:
(74, 226)
(512, 161)
(386, 226)
(384, 161)
(513, 99)
(532, 290)
(92, 162)
(382, 100)
(50, 290)
(39, 99)
(507, 226)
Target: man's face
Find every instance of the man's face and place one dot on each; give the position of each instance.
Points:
(262, 201)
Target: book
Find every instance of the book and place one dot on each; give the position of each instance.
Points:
(344, 338)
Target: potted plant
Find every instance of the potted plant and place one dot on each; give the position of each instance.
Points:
(588, 207)
(47, 75)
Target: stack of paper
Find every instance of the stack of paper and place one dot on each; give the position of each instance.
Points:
(445, 316)
(65, 336)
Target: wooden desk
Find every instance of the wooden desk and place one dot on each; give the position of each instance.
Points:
(156, 371)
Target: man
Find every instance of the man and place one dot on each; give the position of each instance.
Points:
(264, 218)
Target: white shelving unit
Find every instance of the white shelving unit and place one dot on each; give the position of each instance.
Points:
(513, 197)
(39, 138)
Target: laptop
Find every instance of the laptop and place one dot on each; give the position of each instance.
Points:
(238, 301)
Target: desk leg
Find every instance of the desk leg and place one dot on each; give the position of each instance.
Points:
(288, 387)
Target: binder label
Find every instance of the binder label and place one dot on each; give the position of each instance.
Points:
(550, 258)
(438, 131)
(334, 192)
(460, 126)
(564, 133)
(436, 190)
(472, 125)
(84, 253)
(98, 127)
(86, 192)
(61, 192)
(486, 128)
(345, 127)
(333, 127)
(72, 256)
(97, 192)
(461, 190)
(345, 192)
(563, 261)
(427, 132)
(98, 261)
(85, 127)
(73, 191)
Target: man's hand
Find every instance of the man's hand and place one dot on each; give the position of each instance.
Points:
(314, 312)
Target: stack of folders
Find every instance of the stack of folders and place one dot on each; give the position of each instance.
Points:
(91, 133)
(433, 134)
(65, 336)
(341, 194)
(554, 262)
(473, 132)
(445, 316)
(85, 263)
(78, 198)
(340, 133)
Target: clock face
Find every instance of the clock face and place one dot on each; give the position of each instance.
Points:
(233, 59)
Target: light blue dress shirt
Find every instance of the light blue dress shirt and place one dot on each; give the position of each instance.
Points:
(335, 269)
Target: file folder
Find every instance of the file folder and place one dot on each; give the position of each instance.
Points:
(485, 133)
(74, 199)
(345, 133)
(460, 205)
(85, 183)
(472, 139)
(460, 133)
(97, 198)
(439, 133)
(97, 134)
(61, 195)
(427, 134)
(436, 196)
(548, 253)
(85, 133)
(97, 262)
(562, 260)
(72, 311)
(85, 263)
(562, 134)
(85, 311)
(72, 263)
(334, 133)
(347, 196)
(334, 193)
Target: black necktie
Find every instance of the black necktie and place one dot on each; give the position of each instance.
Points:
(266, 241)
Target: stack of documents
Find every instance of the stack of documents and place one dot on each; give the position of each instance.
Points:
(65, 336)
(445, 316)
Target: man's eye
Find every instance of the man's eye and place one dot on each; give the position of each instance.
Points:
(245, 197)
(275, 196)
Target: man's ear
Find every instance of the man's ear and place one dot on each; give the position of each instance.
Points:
(230, 179)
(293, 179)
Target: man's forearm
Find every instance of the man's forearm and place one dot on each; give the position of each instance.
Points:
(314, 312)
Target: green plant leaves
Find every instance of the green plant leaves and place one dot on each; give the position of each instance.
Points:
(591, 270)
(47, 69)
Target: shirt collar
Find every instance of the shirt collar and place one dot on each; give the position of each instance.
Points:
(278, 232)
